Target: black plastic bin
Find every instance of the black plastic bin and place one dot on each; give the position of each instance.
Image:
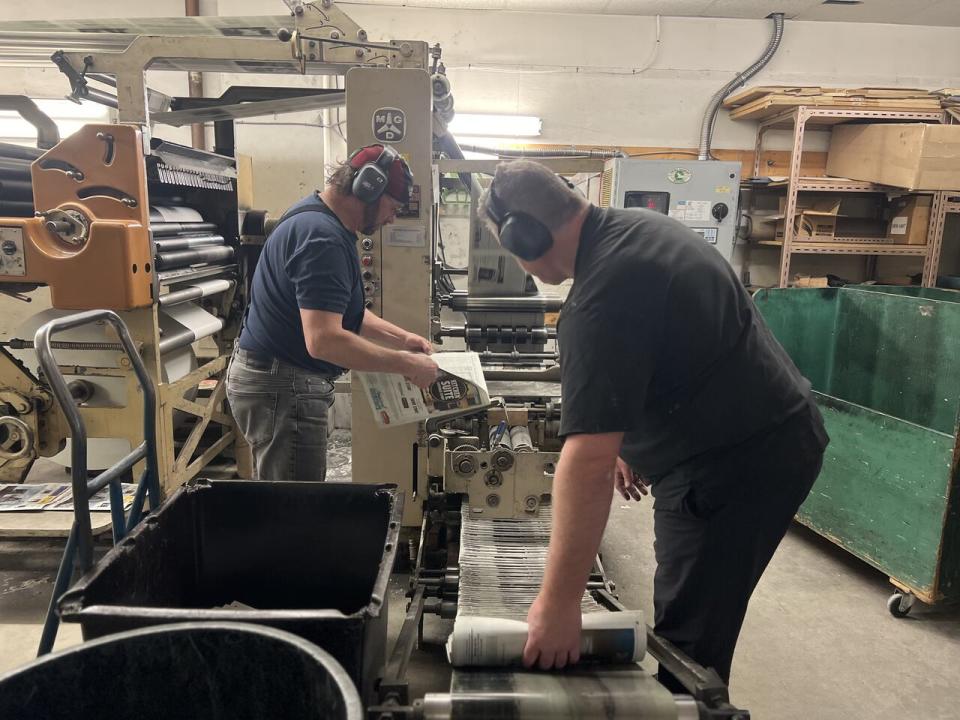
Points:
(312, 558)
(181, 672)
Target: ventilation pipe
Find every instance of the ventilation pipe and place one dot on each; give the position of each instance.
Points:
(195, 83)
(710, 116)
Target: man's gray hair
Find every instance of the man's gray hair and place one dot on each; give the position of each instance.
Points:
(529, 187)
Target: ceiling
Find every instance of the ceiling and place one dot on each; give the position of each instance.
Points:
(903, 12)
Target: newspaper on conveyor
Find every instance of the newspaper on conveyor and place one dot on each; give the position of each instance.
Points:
(608, 637)
(397, 401)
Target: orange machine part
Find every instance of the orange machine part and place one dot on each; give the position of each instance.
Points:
(114, 268)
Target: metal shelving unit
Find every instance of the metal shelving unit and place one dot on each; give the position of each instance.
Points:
(799, 118)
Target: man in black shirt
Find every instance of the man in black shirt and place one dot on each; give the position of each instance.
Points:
(307, 323)
(669, 377)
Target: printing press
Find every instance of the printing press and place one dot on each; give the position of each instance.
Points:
(158, 231)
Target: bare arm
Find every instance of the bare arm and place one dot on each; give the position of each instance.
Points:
(326, 339)
(582, 492)
(386, 333)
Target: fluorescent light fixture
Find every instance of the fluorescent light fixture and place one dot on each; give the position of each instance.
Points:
(843, 2)
(68, 116)
(513, 126)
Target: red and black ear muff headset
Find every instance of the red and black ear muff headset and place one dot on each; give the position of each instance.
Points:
(370, 180)
(520, 233)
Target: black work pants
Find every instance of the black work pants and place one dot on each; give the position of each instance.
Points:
(717, 521)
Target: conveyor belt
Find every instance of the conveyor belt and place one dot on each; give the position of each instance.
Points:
(502, 563)
(501, 570)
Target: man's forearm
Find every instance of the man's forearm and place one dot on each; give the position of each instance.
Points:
(582, 492)
(379, 330)
(357, 353)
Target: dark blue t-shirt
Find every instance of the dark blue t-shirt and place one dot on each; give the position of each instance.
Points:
(310, 261)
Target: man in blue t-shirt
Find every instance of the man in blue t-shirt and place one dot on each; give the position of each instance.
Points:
(306, 323)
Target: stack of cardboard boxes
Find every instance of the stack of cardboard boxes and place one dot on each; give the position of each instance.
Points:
(916, 157)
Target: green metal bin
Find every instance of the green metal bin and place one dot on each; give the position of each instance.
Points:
(885, 366)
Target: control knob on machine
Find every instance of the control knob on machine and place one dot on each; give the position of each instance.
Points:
(9, 247)
(720, 211)
(367, 275)
(366, 260)
(366, 244)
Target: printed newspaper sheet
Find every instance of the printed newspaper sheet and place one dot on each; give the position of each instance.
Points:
(397, 401)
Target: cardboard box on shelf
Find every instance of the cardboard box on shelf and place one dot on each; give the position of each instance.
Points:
(814, 221)
(915, 156)
(909, 219)
(811, 281)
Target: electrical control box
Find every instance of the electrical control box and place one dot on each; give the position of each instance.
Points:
(702, 194)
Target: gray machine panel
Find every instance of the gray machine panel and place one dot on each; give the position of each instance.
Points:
(702, 194)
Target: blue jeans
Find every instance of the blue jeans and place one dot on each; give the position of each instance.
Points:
(282, 412)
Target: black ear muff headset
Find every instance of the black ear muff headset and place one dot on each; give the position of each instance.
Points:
(370, 180)
(520, 233)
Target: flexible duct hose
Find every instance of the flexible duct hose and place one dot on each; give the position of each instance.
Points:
(710, 116)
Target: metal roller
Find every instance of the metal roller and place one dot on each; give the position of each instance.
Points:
(8, 150)
(500, 335)
(183, 258)
(520, 439)
(498, 440)
(516, 357)
(15, 165)
(195, 292)
(195, 324)
(537, 303)
(166, 229)
(167, 245)
(21, 190)
(622, 693)
(16, 208)
(174, 213)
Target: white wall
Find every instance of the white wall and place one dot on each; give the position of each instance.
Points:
(575, 68)
(577, 72)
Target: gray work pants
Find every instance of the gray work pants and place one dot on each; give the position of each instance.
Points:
(282, 412)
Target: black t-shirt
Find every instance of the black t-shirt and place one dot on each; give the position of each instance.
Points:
(310, 261)
(659, 339)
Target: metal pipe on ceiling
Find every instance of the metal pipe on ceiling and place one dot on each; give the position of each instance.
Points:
(198, 134)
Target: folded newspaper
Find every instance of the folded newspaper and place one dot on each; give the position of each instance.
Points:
(397, 401)
(609, 637)
(55, 496)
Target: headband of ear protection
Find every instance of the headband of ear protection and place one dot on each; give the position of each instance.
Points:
(520, 233)
(370, 180)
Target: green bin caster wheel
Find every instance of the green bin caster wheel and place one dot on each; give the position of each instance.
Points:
(900, 603)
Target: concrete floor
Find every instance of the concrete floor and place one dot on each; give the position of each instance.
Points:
(818, 640)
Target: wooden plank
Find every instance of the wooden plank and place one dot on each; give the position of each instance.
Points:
(47, 523)
(754, 93)
(199, 410)
(773, 104)
(209, 454)
(193, 439)
(193, 379)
